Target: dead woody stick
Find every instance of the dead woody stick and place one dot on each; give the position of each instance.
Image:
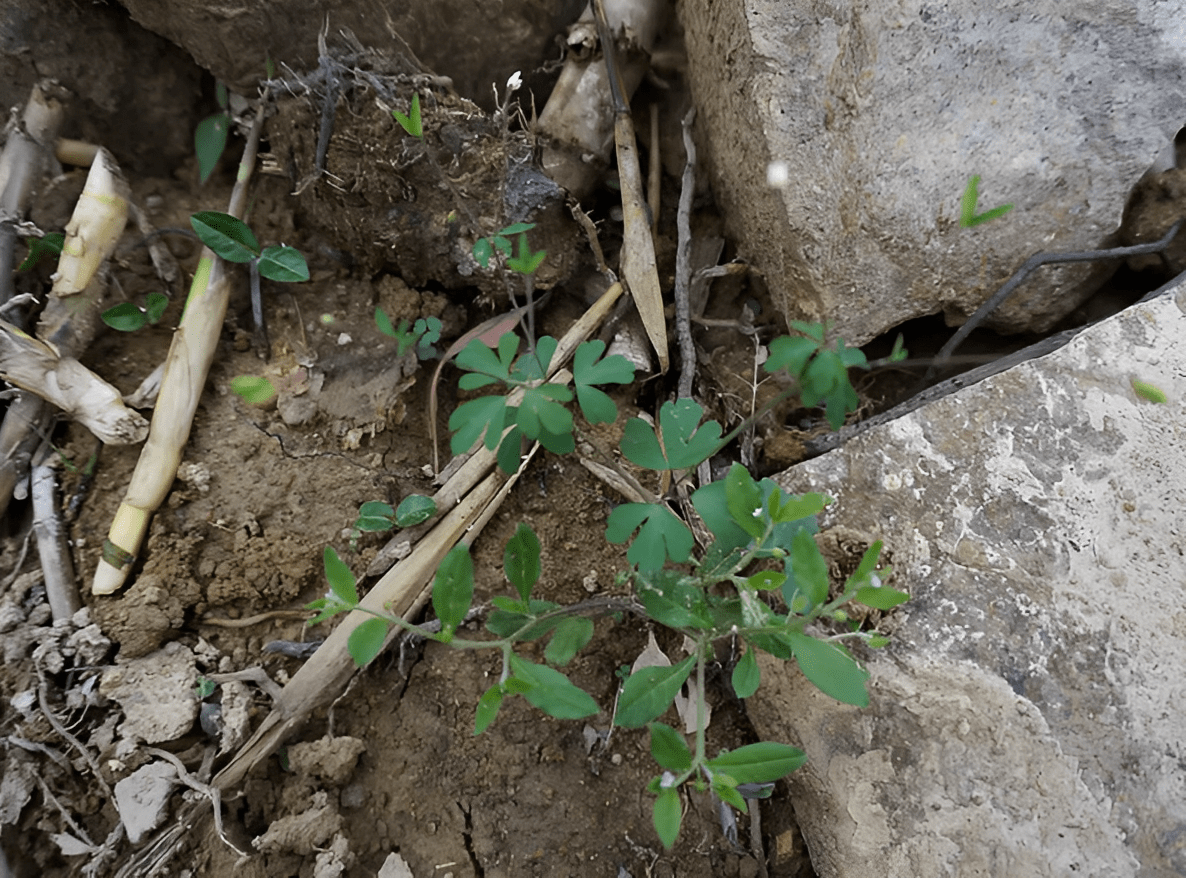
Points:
(186, 367)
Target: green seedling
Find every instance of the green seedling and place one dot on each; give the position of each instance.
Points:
(500, 241)
(422, 335)
(128, 317)
(211, 135)
(968, 215)
(378, 517)
(230, 238)
(48, 245)
(411, 123)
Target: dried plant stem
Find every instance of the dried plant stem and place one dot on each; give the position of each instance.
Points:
(186, 367)
(683, 265)
(61, 588)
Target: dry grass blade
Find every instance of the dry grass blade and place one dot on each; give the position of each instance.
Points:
(638, 247)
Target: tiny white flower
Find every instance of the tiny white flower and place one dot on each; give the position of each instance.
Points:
(514, 82)
(777, 174)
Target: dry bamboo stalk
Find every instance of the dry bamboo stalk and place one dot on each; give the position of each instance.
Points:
(22, 163)
(324, 676)
(34, 366)
(61, 589)
(186, 367)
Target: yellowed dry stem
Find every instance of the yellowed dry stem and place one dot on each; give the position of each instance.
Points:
(186, 367)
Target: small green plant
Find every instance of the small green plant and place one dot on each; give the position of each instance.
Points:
(422, 334)
(128, 317)
(759, 584)
(48, 245)
(1148, 391)
(377, 517)
(968, 215)
(411, 123)
(231, 239)
(211, 135)
(525, 263)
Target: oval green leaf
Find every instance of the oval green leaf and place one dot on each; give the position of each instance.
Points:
(366, 641)
(649, 691)
(833, 671)
(253, 389)
(453, 588)
(125, 317)
(284, 264)
(226, 235)
(759, 763)
(414, 509)
(488, 706)
(746, 675)
(669, 748)
(552, 692)
(570, 637)
(669, 811)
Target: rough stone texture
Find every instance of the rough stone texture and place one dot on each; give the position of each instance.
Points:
(142, 798)
(1026, 719)
(156, 693)
(477, 44)
(883, 111)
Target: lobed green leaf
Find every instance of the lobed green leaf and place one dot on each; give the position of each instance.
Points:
(661, 535)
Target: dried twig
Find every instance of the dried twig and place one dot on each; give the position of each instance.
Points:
(61, 588)
(683, 266)
(1035, 261)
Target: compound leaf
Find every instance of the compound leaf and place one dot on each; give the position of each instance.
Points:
(596, 405)
(790, 353)
(661, 535)
(486, 414)
(685, 442)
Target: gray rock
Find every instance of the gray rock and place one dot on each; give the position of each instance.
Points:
(883, 111)
(156, 693)
(142, 798)
(1027, 718)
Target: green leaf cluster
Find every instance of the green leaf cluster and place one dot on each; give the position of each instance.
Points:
(541, 414)
(48, 245)
(525, 262)
(233, 240)
(969, 218)
(422, 334)
(822, 371)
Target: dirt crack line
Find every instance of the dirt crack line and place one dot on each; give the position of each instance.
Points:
(467, 835)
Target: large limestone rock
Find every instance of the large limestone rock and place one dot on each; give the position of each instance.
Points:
(1028, 717)
(883, 111)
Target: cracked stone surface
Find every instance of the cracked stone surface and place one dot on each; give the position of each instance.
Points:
(1026, 718)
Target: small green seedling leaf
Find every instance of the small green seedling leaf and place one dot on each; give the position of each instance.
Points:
(486, 365)
(366, 641)
(453, 589)
(411, 123)
(375, 517)
(649, 691)
(488, 706)
(525, 261)
(569, 638)
(881, 597)
(253, 389)
(384, 323)
(669, 748)
(661, 535)
(1148, 391)
(806, 586)
(745, 501)
(206, 687)
(482, 252)
(746, 675)
(155, 305)
(968, 215)
(763, 762)
(341, 580)
(552, 692)
(414, 509)
(125, 317)
(587, 370)
(49, 245)
(226, 235)
(831, 669)
(520, 560)
(284, 264)
(669, 813)
(209, 143)
(685, 443)
(790, 353)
